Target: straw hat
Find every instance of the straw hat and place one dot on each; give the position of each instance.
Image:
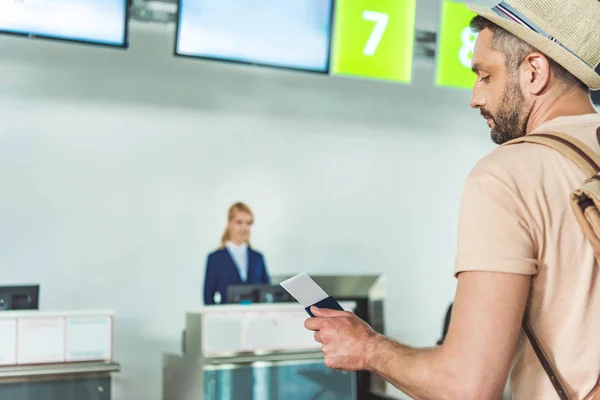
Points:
(565, 30)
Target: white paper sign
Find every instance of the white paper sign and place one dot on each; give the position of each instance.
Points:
(41, 340)
(8, 341)
(89, 338)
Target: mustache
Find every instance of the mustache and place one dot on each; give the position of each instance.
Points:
(486, 114)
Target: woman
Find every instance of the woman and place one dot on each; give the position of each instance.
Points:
(235, 262)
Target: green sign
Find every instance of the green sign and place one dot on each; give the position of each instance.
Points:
(374, 39)
(455, 47)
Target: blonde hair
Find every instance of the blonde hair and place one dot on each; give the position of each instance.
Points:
(233, 211)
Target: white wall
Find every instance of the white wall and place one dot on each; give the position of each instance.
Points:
(116, 170)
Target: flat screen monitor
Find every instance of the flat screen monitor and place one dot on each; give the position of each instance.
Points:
(102, 22)
(292, 34)
(275, 294)
(246, 294)
(19, 297)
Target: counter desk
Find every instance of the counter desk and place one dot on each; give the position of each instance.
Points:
(252, 352)
(58, 355)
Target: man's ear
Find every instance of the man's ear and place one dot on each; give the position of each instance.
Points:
(537, 73)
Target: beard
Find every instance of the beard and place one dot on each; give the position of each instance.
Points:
(510, 121)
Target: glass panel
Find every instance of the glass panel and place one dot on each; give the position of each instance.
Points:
(274, 381)
(68, 389)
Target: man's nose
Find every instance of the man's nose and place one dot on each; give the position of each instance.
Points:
(477, 101)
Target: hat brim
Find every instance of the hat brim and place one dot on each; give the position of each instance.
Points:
(553, 50)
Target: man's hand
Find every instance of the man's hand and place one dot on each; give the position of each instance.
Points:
(347, 340)
(473, 362)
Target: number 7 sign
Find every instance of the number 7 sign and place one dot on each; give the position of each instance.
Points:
(381, 22)
(374, 39)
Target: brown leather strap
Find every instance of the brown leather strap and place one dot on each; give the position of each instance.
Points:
(551, 371)
(578, 152)
(579, 147)
(593, 395)
(589, 162)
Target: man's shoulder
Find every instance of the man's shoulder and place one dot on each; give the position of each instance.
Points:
(513, 161)
(529, 159)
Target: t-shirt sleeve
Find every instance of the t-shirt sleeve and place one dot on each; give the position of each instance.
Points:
(493, 230)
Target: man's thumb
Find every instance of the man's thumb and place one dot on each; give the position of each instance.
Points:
(319, 312)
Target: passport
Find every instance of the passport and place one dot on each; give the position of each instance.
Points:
(308, 293)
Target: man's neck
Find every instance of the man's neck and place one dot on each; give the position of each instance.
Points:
(567, 103)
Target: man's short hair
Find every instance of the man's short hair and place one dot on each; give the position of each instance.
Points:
(515, 50)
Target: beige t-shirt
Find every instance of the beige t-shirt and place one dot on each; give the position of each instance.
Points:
(516, 217)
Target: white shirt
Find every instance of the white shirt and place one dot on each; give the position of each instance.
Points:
(240, 258)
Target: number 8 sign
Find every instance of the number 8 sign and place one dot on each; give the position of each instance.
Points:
(456, 42)
(465, 54)
(374, 39)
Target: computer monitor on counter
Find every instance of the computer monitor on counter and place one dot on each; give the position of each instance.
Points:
(247, 294)
(19, 297)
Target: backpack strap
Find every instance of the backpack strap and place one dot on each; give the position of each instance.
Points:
(589, 162)
(575, 150)
(550, 369)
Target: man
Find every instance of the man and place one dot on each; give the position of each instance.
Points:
(446, 325)
(521, 253)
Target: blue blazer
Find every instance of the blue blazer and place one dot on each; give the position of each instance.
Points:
(221, 272)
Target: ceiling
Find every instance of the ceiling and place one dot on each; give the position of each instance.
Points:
(427, 22)
(428, 11)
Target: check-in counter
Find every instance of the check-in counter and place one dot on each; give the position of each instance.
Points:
(252, 352)
(56, 355)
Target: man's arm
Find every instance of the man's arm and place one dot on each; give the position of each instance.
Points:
(473, 362)
(475, 359)
(496, 257)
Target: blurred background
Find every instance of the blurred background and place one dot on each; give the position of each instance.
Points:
(117, 167)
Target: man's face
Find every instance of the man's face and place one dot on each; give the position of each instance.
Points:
(498, 93)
